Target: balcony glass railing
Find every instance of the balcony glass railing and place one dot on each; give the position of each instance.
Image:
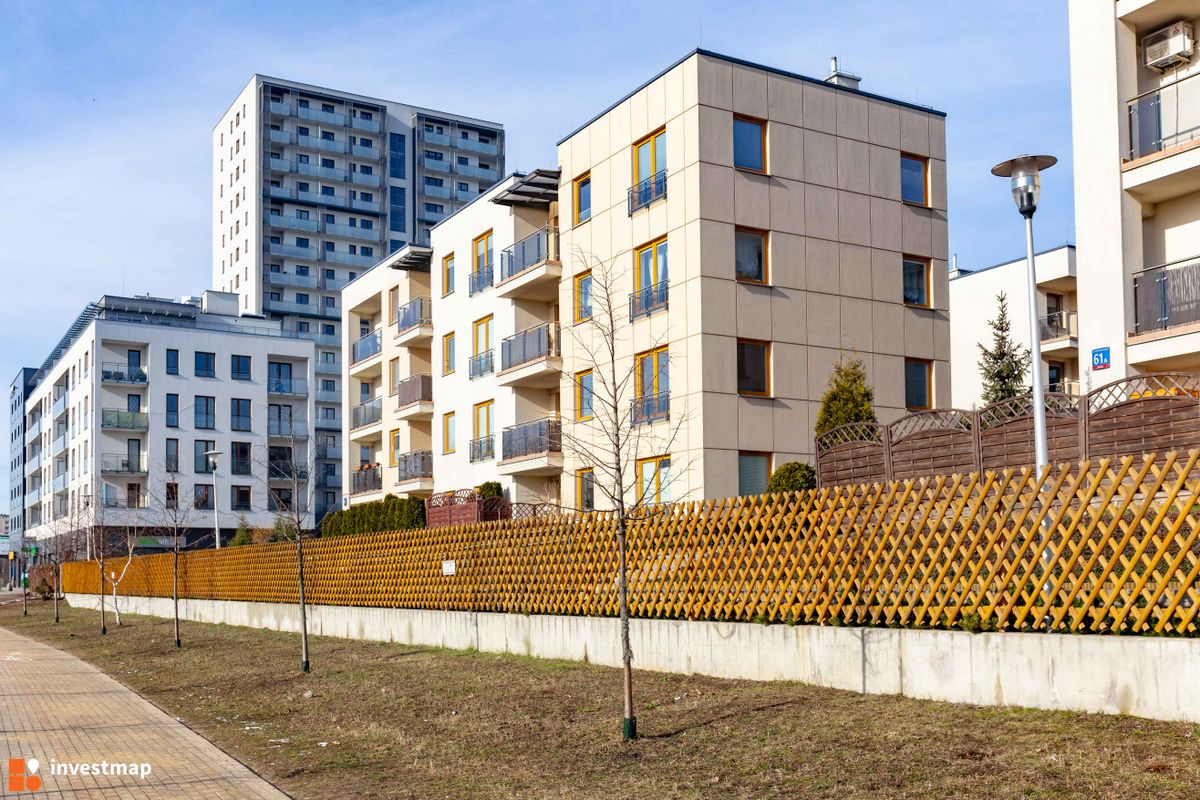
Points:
(352, 231)
(326, 423)
(306, 309)
(328, 396)
(366, 179)
(317, 171)
(482, 173)
(280, 108)
(647, 300)
(120, 419)
(480, 364)
(538, 342)
(281, 137)
(293, 223)
(60, 404)
(365, 152)
(1164, 118)
(416, 312)
(59, 444)
(647, 191)
(365, 124)
(476, 146)
(367, 413)
(436, 164)
(137, 501)
(1167, 296)
(326, 145)
(415, 465)
(353, 259)
(366, 346)
(369, 479)
(534, 249)
(116, 372)
(480, 279)
(280, 164)
(316, 115)
(291, 279)
(437, 191)
(286, 428)
(286, 471)
(365, 205)
(433, 137)
(293, 251)
(328, 367)
(414, 389)
(122, 463)
(482, 449)
(292, 386)
(1059, 325)
(532, 438)
(650, 408)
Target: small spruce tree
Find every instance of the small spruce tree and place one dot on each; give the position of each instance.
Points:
(848, 398)
(1004, 366)
(242, 535)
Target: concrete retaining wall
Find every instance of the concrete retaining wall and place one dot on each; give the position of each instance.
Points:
(1148, 677)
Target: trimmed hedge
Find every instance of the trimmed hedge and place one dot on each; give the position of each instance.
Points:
(389, 514)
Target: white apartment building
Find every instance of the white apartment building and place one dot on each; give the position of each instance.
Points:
(18, 391)
(804, 220)
(311, 187)
(123, 412)
(1135, 97)
(973, 306)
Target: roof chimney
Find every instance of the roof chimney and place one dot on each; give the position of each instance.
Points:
(839, 78)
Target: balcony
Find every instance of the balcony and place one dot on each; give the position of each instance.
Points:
(365, 152)
(647, 300)
(121, 420)
(281, 137)
(1164, 142)
(116, 372)
(414, 397)
(352, 259)
(369, 479)
(531, 358)
(367, 413)
(480, 364)
(532, 448)
(435, 164)
(328, 395)
(291, 387)
(33, 463)
(60, 483)
(328, 117)
(328, 367)
(433, 137)
(293, 223)
(122, 464)
(369, 125)
(530, 269)
(286, 428)
(353, 232)
(292, 251)
(60, 404)
(480, 279)
(479, 173)
(650, 408)
(280, 164)
(415, 466)
(330, 452)
(482, 449)
(280, 109)
(366, 346)
(443, 192)
(325, 423)
(286, 471)
(303, 309)
(365, 205)
(1167, 296)
(414, 322)
(476, 146)
(135, 501)
(289, 279)
(366, 179)
(317, 171)
(326, 145)
(646, 192)
(33, 430)
(1059, 333)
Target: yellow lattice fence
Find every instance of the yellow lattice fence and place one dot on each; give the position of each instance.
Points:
(1103, 546)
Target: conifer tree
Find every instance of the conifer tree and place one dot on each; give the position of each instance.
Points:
(848, 398)
(1004, 367)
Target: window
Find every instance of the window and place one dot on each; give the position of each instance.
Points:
(654, 479)
(239, 414)
(481, 335)
(206, 365)
(483, 419)
(585, 490)
(206, 412)
(172, 498)
(482, 248)
(914, 180)
(448, 354)
(754, 470)
(583, 198)
(448, 275)
(918, 384)
(239, 368)
(172, 362)
(750, 255)
(583, 297)
(583, 395)
(239, 462)
(651, 264)
(239, 497)
(202, 497)
(393, 447)
(1056, 374)
(172, 411)
(301, 298)
(448, 433)
(650, 156)
(750, 144)
(393, 304)
(202, 464)
(916, 281)
(753, 367)
(171, 455)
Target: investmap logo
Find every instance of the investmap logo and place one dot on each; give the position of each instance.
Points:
(22, 775)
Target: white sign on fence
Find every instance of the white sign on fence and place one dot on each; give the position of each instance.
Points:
(448, 567)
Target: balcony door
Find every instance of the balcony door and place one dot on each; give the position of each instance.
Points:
(650, 156)
(279, 374)
(133, 452)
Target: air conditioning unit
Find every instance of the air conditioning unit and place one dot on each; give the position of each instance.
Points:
(1168, 47)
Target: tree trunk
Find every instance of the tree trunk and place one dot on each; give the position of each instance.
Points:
(57, 584)
(175, 588)
(629, 724)
(116, 607)
(303, 614)
(103, 617)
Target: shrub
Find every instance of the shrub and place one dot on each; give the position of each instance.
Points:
(389, 514)
(43, 590)
(847, 399)
(794, 476)
(242, 535)
(490, 489)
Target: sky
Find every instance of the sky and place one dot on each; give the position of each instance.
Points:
(105, 162)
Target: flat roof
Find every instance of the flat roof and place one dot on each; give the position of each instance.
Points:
(774, 70)
(964, 271)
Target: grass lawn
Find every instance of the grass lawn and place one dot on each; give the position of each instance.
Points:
(377, 720)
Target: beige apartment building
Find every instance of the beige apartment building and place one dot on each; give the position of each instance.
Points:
(802, 220)
(1135, 92)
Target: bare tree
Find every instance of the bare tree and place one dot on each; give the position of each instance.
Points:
(125, 547)
(619, 432)
(176, 514)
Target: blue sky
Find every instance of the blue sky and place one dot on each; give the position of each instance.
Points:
(108, 108)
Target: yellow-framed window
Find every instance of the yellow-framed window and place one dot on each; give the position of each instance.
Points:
(448, 354)
(650, 264)
(916, 281)
(914, 179)
(584, 397)
(750, 255)
(749, 143)
(393, 304)
(585, 489)
(583, 296)
(649, 155)
(481, 424)
(582, 192)
(481, 248)
(654, 479)
(393, 447)
(753, 368)
(918, 384)
(448, 432)
(393, 376)
(448, 274)
(481, 335)
(653, 372)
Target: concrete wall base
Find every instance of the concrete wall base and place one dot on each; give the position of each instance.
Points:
(1143, 676)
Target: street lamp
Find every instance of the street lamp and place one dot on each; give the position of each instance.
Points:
(212, 455)
(1023, 173)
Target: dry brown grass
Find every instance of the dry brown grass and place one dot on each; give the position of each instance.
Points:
(396, 721)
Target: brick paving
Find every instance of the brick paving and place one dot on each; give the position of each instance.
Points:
(54, 706)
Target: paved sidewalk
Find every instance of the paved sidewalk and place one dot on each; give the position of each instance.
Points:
(55, 707)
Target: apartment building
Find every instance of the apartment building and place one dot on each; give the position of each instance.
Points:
(125, 415)
(18, 392)
(1135, 97)
(312, 187)
(973, 306)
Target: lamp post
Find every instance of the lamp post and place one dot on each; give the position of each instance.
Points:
(1023, 173)
(212, 456)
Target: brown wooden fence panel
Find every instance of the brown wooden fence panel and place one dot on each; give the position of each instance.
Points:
(933, 453)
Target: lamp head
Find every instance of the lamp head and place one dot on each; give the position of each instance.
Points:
(1023, 172)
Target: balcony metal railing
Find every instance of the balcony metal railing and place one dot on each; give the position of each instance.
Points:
(1064, 387)
(120, 419)
(483, 448)
(286, 427)
(534, 249)
(284, 503)
(297, 387)
(286, 471)
(481, 279)
(1058, 325)
(650, 408)
(331, 452)
(240, 466)
(136, 501)
(122, 463)
(480, 364)
(647, 191)
(415, 465)
(647, 300)
(1167, 295)
(418, 311)
(1164, 118)
(366, 480)
(532, 438)
(532, 344)
(367, 413)
(414, 389)
(116, 372)
(366, 346)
